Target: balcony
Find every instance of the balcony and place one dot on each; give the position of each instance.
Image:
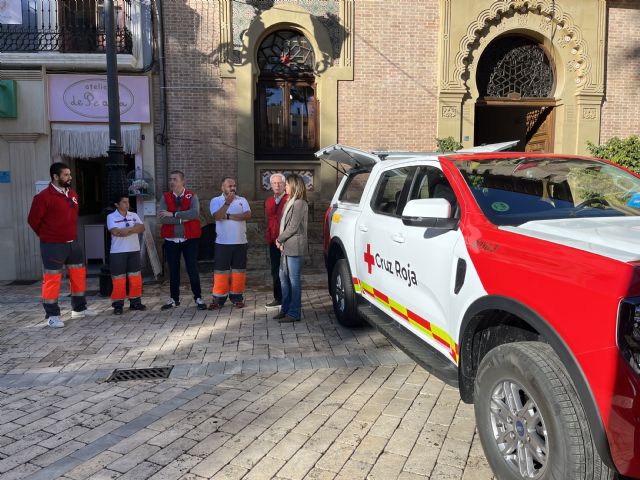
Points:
(71, 33)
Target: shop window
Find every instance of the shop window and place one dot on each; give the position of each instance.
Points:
(89, 175)
(286, 101)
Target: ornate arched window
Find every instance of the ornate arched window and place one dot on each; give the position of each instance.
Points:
(286, 103)
(286, 52)
(515, 67)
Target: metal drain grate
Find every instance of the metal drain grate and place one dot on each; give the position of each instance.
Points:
(23, 282)
(139, 374)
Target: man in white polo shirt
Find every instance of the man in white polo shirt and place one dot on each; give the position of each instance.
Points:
(231, 213)
(124, 259)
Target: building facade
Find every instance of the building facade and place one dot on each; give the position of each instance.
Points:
(52, 69)
(253, 86)
(247, 88)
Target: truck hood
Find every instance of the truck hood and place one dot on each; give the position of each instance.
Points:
(614, 237)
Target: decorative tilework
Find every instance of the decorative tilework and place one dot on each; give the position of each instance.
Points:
(307, 176)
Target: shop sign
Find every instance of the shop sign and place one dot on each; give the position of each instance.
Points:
(84, 98)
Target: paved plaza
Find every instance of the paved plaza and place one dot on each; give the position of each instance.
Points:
(247, 397)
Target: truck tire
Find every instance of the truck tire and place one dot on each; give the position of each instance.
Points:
(343, 296)
(530, 420)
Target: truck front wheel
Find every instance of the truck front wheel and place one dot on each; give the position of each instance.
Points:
(530, 420)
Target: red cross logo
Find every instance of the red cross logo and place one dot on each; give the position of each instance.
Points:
(368, 258)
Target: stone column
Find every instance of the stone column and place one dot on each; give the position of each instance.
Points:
(450, 115)
(589, 108)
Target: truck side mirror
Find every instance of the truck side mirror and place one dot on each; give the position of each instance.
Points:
(429, 213)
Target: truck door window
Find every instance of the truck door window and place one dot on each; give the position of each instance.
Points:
(389, 190)
(430, 182)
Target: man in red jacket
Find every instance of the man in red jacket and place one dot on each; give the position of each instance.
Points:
(54, 218)
(273, 207)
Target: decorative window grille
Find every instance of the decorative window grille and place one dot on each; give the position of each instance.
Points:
(286, 52)
(515, 67)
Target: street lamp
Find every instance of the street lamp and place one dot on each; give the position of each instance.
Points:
(116, 181)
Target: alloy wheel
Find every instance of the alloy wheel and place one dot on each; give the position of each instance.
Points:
(519, 429)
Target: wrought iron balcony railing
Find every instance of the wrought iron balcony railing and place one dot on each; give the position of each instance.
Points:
(67, 26)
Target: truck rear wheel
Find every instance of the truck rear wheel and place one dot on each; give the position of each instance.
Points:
(343, 295)
(530, 420)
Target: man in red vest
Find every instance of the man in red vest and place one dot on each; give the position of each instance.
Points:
(180, 218)
(54, 218)
(273, 207)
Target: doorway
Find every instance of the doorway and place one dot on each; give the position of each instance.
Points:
(516, 81)
(533, 126)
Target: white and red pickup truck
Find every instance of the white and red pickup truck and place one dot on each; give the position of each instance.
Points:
(516, 277)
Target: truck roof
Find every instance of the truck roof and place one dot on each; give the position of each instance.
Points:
(357, 158)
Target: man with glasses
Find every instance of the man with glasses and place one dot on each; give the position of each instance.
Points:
(273, 207)
(180, 218)
(54, 219)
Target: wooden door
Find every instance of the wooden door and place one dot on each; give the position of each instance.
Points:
(531, 125)
(540, 125)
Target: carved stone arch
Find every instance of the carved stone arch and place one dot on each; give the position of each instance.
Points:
(572, 32)
(552, 22)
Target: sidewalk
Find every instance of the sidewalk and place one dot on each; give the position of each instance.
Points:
(247, 397)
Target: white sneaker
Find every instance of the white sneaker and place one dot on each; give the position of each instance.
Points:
(55, 322)
(83, 313)
(200, 305)
(170, 304)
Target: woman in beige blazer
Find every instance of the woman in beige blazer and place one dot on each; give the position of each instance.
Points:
(292, 242)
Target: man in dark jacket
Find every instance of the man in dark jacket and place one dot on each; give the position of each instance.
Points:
(179, 215)
(273, 213)
(54, 219)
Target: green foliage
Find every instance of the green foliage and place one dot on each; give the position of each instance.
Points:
(588, 185)
(448, 144)
(625, 152)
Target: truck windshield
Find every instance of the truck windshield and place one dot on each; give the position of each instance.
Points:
(512, 191)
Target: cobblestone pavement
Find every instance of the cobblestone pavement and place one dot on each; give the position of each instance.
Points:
(247, 397)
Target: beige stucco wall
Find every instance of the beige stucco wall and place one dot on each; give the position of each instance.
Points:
(24, 152)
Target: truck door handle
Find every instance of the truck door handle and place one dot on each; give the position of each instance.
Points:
(397, 237)
(363, 228)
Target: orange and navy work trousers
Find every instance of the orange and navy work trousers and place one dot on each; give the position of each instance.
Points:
(123, 265)
(229, 272)
(54, 257)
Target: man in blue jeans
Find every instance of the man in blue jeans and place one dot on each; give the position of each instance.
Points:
(180, 218)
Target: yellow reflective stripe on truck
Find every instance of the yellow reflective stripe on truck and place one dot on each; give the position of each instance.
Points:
(413, 318)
